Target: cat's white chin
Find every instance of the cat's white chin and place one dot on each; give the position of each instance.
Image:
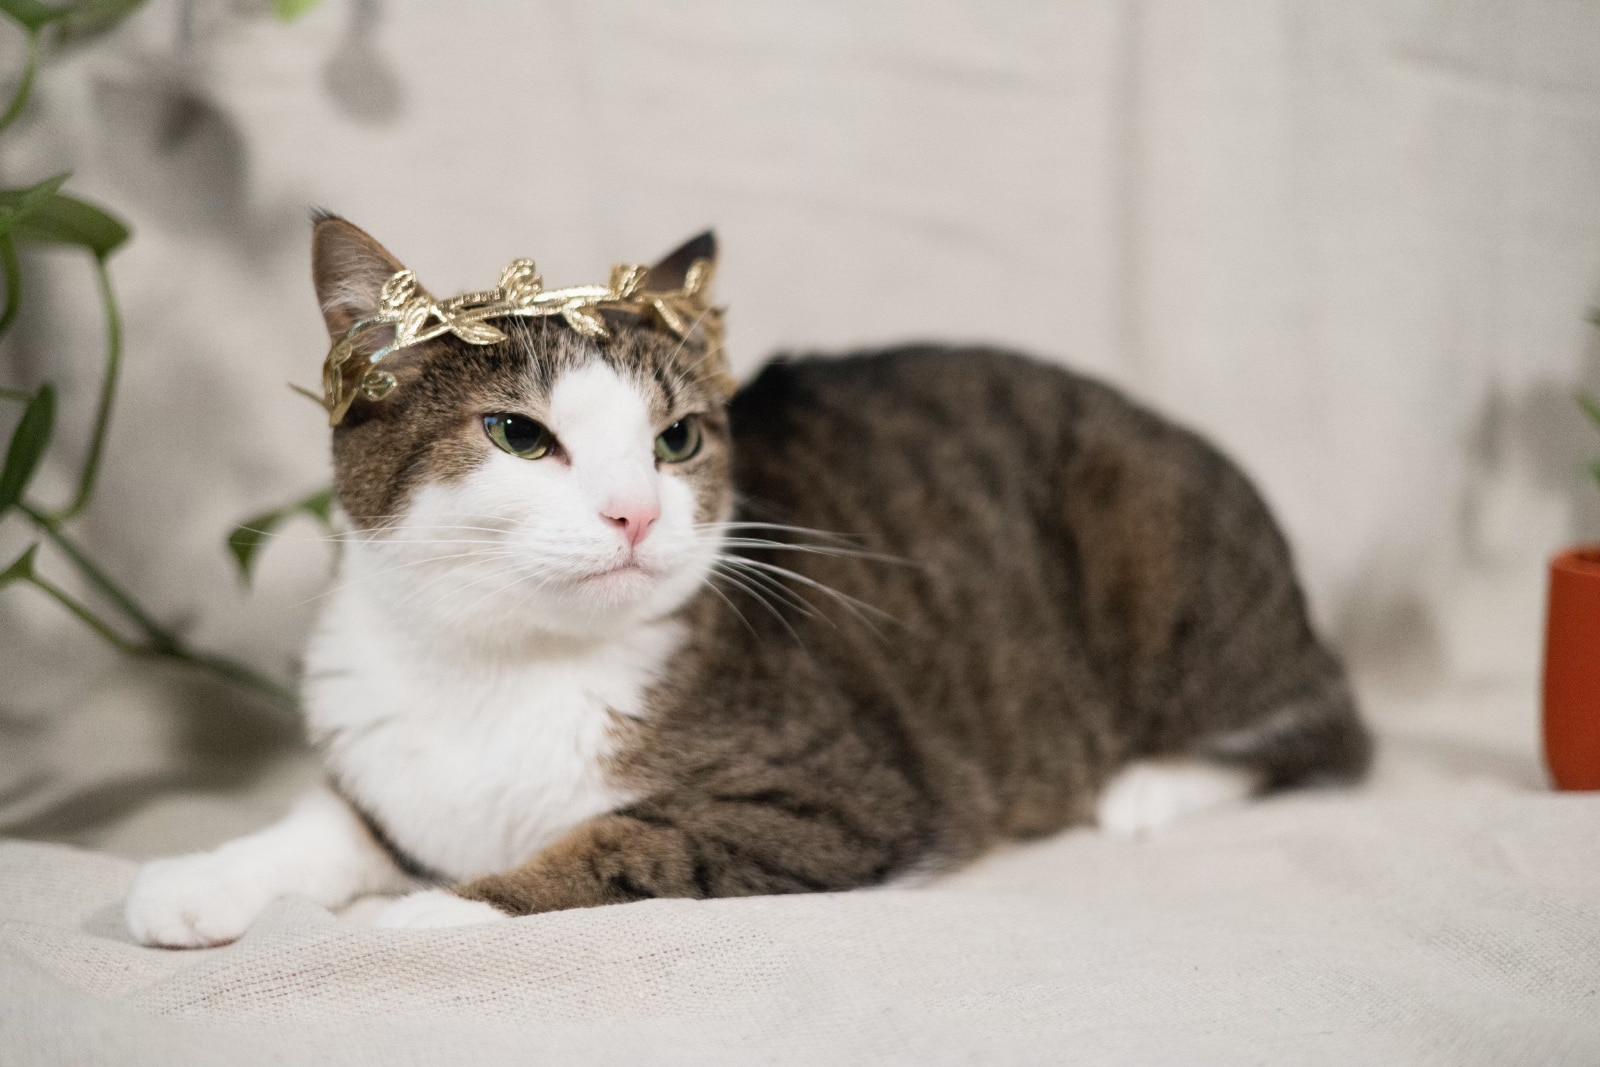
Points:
(630, 572)
(622, 585)
(610, 599)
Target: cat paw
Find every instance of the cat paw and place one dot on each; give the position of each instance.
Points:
(1149, 795)
(194, 901)
(434, 908)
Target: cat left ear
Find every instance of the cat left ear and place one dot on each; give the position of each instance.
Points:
(348, 268)
(673, 269)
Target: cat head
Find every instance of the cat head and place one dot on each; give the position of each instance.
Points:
(549, 483)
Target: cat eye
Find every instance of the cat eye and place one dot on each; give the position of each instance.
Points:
(680, 441)
(519, 435)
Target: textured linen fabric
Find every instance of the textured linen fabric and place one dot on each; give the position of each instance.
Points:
(1446, 913)
(1352, 240)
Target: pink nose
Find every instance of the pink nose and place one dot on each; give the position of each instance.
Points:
(633, 517)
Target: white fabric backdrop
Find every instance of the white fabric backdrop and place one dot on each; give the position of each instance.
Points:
(1353, 240)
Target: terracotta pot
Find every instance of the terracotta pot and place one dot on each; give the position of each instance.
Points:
(1572, 670)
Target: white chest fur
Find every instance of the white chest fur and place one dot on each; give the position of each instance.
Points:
(471, 762)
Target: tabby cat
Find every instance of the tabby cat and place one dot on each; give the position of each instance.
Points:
(603, 634)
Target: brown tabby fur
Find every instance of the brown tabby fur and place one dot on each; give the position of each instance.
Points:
(1071, 583)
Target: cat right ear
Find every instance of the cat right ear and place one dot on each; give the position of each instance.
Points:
(348, 268)
(673, 270)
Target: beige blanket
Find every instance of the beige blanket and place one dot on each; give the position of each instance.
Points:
(1447, 913)
(1344, 238)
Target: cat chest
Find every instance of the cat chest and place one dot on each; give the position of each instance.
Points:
(473, 783)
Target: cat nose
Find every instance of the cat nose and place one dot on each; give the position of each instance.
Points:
(633, 517)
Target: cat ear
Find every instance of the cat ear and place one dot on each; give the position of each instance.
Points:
(674, 267)
(348, 269)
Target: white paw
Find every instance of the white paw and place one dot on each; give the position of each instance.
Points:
(209, 898)
(433, 908)
(1149, 795)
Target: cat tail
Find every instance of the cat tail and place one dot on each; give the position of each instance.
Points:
(1317, 737)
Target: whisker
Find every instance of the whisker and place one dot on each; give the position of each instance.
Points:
(850, 603)
(743, 524)
(754, 593)
(352, 582)
(358, 538)
(695, 325)
(731, 606)
(785, 595)
(816, 550)
(528, 575)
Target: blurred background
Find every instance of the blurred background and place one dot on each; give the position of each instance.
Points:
(1354, 241)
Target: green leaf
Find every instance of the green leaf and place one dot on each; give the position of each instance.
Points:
(1590, 406)
(90, 17)
(320, 505)
(41, 213)
(21, 569)
(24, 90)
(289, 10)
(246, 539)
(17, 204)
(27, 446)
(32, 14)
(68, 220)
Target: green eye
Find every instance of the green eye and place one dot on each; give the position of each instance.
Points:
(519, 435)
(680, 441)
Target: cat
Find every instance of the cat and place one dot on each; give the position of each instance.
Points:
(603, 634)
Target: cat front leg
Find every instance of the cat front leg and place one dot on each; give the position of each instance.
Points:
(321, 851)
(761, 842)
(613, 859)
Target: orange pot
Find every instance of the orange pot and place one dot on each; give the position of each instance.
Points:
(1572, 670)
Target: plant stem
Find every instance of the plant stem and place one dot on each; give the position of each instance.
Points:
(159, 643)
(98, 578)
(221, 666)
(108, 393)
(89, 619)
(13, 276)
(232, 670)
(20, 100)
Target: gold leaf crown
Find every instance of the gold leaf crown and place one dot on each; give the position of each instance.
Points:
(416, 316)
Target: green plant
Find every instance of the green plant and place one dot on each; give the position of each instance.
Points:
(42, 214)
(1591, 408)
(248, 537)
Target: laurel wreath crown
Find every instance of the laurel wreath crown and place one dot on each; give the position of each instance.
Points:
(417, 317)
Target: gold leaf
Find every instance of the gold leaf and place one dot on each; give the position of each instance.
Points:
(670, 318)
(477, 333)
(339, 353)
(698, 276)
(377, 384)
(625, 278)
(520, 282)
(412, 318)
(397, 290)
(586, 321)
